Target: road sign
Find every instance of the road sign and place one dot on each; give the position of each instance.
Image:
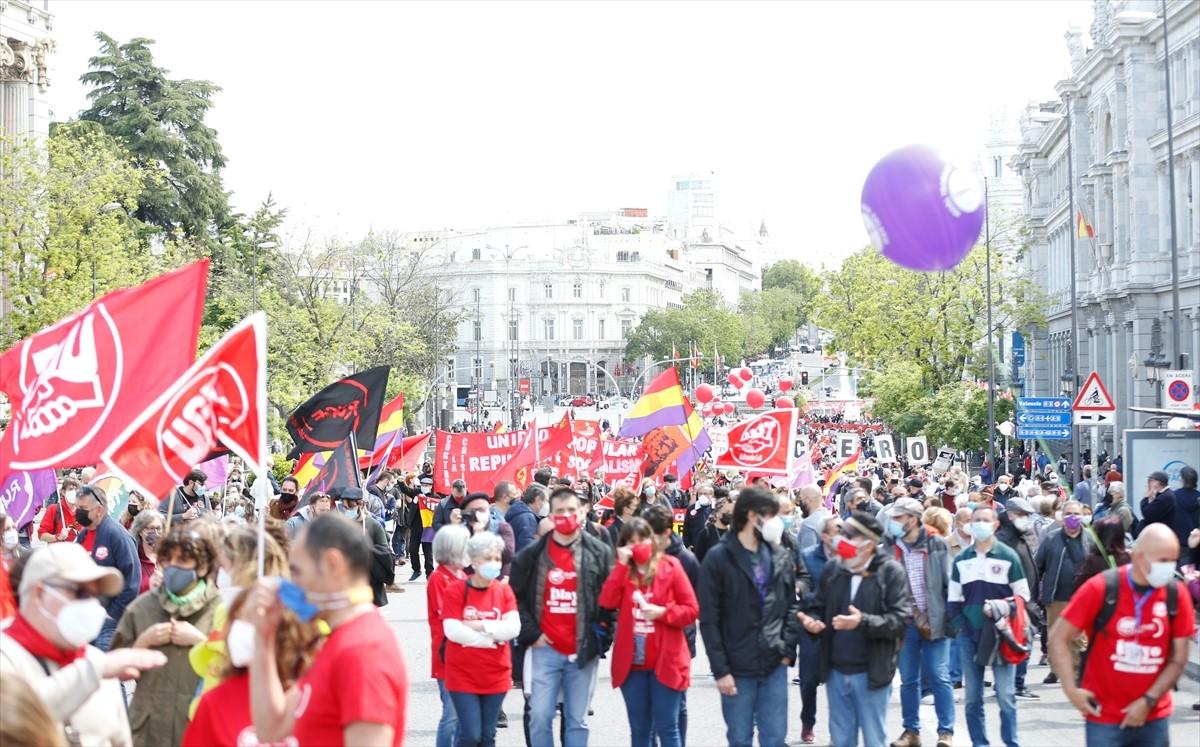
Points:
(1050, 432)
(1179, 390)
(1043, 404)
(1043, 418)
(1093, 396)
(1095, 418)
(1018, 349)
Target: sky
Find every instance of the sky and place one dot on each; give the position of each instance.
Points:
(420, 116)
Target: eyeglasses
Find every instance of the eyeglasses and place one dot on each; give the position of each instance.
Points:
(75, 592)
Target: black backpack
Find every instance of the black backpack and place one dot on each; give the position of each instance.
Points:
(1112, 592)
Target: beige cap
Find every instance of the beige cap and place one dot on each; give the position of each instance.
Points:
(907, 506)
(67, 561)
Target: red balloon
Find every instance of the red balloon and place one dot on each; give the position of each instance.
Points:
(784, 402)
(706, 410)
(730, 408)
(746, 373)
(734, 379)
(755, 398)
(785, 383)
(704, 393)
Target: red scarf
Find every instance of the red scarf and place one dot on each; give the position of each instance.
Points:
(38, 645)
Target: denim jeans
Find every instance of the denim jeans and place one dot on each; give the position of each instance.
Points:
(1003, 674)
(1156, 733)
(761, 702)
(956, 654)
(920, 657)
(1019, 677)
(551, 674)
(855, 707)
(449, 721)
(651, 706)
(810, 678)
(477, 716)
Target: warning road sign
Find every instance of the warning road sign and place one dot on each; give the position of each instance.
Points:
(1093, 396)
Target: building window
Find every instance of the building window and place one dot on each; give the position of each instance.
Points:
(476, 253)
(601, 290)
(512, 329)
(626, 327)
(702, 211)
(549, 288)
(513, 368)
(548, 326)
(577, 289)
(478, 371)
(477, 330)
(512, 295)
(475, 295)
(997, 165)
(627, 256)
(626, 294)
(577, 329)
(600, 329)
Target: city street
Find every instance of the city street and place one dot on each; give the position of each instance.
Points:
(1050, 721)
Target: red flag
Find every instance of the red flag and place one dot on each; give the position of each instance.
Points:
(518, 468)
(222, 397)
(408, 452)
(763, 444)
(76, 384)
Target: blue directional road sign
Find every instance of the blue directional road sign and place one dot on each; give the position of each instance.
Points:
(1044, 417)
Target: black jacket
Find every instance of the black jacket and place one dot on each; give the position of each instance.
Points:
(693, 525)
(441, 515)
(593, 563)
(742, 636)
(1160, 510)
(885, 603)
(804, 581)
(709, 538)
(691, 567)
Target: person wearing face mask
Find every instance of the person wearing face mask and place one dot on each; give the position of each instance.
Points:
(383, 570)
(557, 581)
(1003, 490)
(717, 525)
(110, 545)
(523, 515)
(171, 619)
(478, 516)
(673, 493)
(450, 552)
(137, 502)
(625, 503)
(10, 552)
(697, 515)
(355, 692)
(809, 662)
(449, 511)
(58, 522)
(189, 500)
(655, 603)
(859, 611)
(1058, 559)
(748, 608)
(479, 616)
(986, 570)
(283, 507)
(1139, 626)
(960, 534)
(46, 644)
(1018, 531)
(812, 505)
(146, 530)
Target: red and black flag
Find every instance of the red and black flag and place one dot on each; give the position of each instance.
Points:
(347, 406)
(340, 470)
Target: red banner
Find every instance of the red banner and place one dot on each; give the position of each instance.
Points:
(764, 443)
(75, 385)
(471, 456)
(621, 462)
(582, 457)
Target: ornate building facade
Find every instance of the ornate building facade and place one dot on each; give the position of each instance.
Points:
(26, 47)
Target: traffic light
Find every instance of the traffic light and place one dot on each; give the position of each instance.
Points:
(804, 378)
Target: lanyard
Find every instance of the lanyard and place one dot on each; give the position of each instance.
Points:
(1139, 600)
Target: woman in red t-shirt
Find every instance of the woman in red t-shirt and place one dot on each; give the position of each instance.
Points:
(650, 660)
(479, 616)
(450, 554)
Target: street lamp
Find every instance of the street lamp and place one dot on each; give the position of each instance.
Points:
(1156, 363)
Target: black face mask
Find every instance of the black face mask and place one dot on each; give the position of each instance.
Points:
(133, 509)
(82, 517)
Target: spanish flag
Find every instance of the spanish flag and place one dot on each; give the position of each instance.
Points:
(1085, 230)
(660, 405)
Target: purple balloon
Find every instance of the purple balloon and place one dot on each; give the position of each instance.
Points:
(921, 212)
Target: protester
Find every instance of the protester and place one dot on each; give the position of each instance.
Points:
(812, 505)
(420, 533)
(355, 691)
(1138, 647)
(350, 505)
(748, 620)
(450, 553)
(110, 545)
(25, 719)
(651, 664)
(1158, 505)
(557, 581)
(449, 511)
(1187, 509)
(938, 522)
(809, 662)
(1117, 504)
(625, 503)
(1018, 533)
(986, 570)
(859, 611)
(1003, 491)
(1059, 557)
(283, 507)
(134, 506)
(479, 616)
(171, 619)
(928, 631)
(146, 530)
(58, 522)
(697, 515)
(46, 645)
(315, 505)
(524, 514)
(479, 516)
(715, 528)
(189, 500)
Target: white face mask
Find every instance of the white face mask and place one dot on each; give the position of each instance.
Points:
(1022, 524)
(239, 643)
(229, 590)
(69, 495)
(11, 539)
(79, 620)
(772, 530)
(483, 519)
(1161, 574)
(703, 501)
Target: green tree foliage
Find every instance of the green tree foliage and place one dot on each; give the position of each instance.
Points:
(704, 320)
(958, 415)
(160, 121)
(798, 278)
(901, 398)
(778, 312)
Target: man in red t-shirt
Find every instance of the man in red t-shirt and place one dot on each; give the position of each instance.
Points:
(356, 690)
(1135, 659)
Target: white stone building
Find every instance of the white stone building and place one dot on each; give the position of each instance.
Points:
(26, 47)
(1116, 97)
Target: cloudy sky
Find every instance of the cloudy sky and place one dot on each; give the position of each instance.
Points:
(408, 115)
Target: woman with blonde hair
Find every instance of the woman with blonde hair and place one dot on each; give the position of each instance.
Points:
(937, 521)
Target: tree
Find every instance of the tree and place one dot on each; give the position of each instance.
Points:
(704, 320)
(161, 122)
(779, 312)
(900, 396)
(798, 278)
(958, 415)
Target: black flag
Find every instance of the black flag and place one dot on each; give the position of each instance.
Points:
(350, 405)
(339, 472)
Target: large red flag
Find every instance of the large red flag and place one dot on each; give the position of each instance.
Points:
(222, 397)
(408, 452)
(76, 384)
(764, 444)
(541, 445)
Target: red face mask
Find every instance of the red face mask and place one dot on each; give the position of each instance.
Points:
(566, 523)
(641, 553)
(847, 550)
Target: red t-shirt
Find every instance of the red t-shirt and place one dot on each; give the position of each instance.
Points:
(646, 630)
(558, 604)
(1125, 658)
(223, 718)
(88, 541)
(52, 521)
(442, 579)
(483, 671)
(358, 675)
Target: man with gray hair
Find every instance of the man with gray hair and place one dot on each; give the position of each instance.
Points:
(812, 505)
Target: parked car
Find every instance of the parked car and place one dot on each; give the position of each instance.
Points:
(621, 402)
(582, 400)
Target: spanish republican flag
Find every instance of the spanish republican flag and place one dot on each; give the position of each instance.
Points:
(832, 477)
(1085, 229)
(391, 425)
(659, 406)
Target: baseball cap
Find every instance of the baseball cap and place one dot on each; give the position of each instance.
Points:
(351, 494)
(909, 506)
(67, 561)
(1020, 505)
(915, 483)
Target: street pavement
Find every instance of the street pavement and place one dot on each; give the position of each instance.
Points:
(1051, 721)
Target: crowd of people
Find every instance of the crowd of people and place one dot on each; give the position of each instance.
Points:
(157, 626)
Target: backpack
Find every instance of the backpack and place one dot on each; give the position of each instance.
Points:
(1112, 593)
